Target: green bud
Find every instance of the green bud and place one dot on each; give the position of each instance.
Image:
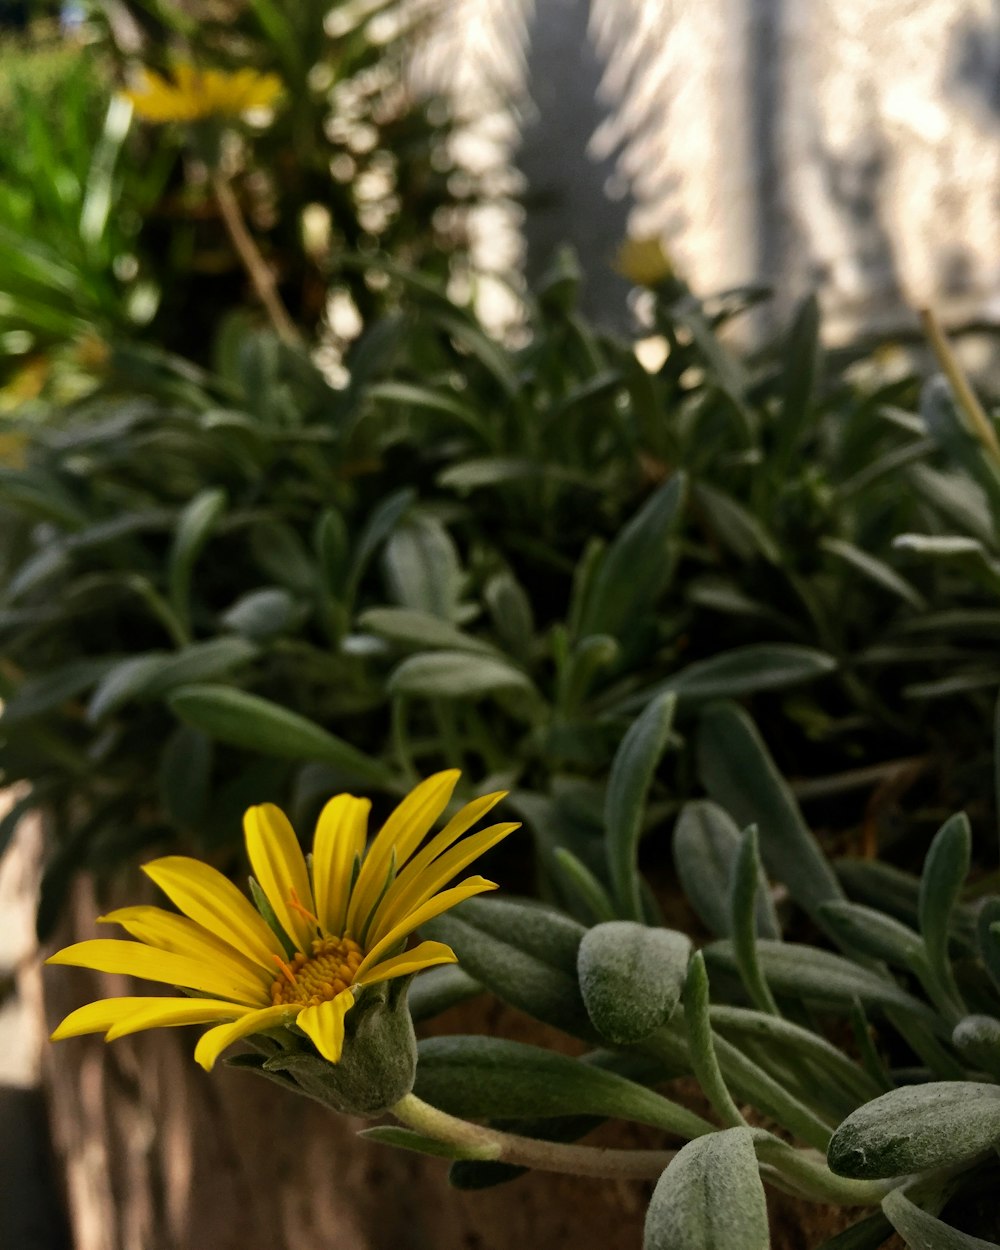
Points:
(378, 1064)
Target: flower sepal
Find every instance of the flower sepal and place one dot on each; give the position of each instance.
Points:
(378, 1064)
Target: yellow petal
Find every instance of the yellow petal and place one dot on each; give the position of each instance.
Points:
(214, 902)
(138, 960)
(324, 1023)
(418, 887)
(340, 836)
(169, 932)
(118, 1016)
(424, 955)
(433, 907)
(279, 866)
(215, 1041)
(463, 820)
(405, 829)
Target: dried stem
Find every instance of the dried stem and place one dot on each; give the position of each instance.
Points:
(947, 360)
(259, 272)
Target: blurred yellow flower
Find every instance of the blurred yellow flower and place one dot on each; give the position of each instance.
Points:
(644, 262)
(13, 446)
(325, 930)
(196, 94)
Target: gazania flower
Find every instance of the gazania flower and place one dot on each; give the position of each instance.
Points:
(644, 262)
(196, 94)
(326, 931)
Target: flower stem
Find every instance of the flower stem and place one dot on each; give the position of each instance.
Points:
(257, 269)
(947, 360)
(529, 1152)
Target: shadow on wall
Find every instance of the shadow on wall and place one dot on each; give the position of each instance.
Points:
(573, 194)
(31, 1213)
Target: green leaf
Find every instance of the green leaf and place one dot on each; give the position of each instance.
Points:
(988, 937)
(479, 1077)
(379, 526)
(788, 1038)
(875, 570)
(632, 772)
(48, 691)
(406, 1139)
(199, 662)
(581, 886)
(468, 475)
(916, 1128)
(526, 954)
(256, 724)
(422, 567)
(710, 1197)
(284, 557)
(945, 870)
(744, 888)
(147, 676)
(263, 614)
(409, 627)
(631, 978)
(194, 526)
(873, 933)
(185, 769)
(397, 393)
(739, 774)
(701, 1043)
(706, 847)
(510, 610)
(457, 675)
(977, 1039)
(125, 681)
(746, 670)
(636, 568)
(923, 1231)
(819, 976)
(736, 672)
(802, 365)
(734, 525)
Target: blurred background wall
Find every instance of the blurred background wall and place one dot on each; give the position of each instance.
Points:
(839, 144)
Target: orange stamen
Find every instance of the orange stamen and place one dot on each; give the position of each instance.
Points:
(285, 969)
(295, 905)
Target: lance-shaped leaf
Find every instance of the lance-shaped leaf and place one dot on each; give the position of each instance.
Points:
(631, 978)
(739, 774)
(631, 776)
(194, 526)
(923, 1231)
(526, 954)
(480, 1077)
(945, 869)
(635, 568)
(710, 1198)
(917, 1127)
(818, 976)
(458, 675)
(247, 720)
(706, 847)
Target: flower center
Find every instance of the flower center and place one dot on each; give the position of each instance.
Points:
(315, 979)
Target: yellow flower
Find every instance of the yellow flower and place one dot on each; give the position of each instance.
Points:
(644, 262)
(196, 94)
(346, 917)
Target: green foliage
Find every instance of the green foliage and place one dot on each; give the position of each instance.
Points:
(710, 1198)
(908, 1115)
